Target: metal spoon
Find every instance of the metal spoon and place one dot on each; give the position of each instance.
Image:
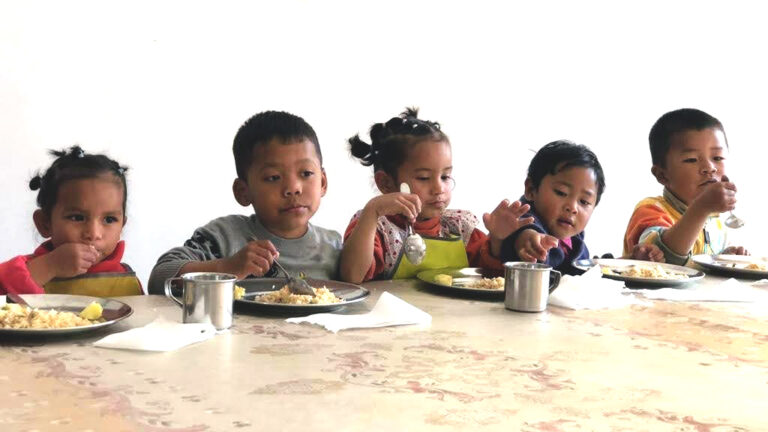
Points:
(734, 221)
(296, 285)
(415, 247)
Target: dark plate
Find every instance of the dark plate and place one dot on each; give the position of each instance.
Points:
(731, 265)
(350, 293)
(639, 282)
(461, 277)
(114, 311)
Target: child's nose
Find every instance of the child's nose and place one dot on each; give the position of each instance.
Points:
(92, 231)
(292, 186)
(571, 206)
(707, 166)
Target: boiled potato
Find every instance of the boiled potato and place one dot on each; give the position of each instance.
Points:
(444, 279)
(92, 311)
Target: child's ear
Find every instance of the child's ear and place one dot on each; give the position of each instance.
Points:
(240, 190)
(385, 182)
(660, 174)
(530, 190)
(323, 183)
(42, 223)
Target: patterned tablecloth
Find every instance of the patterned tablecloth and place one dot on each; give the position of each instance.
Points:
(667, 366)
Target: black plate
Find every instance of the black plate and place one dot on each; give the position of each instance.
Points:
(731, 265)
(640, 282)
(460, 278)
(349, 293)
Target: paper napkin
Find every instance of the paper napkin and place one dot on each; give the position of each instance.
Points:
(730, 290)
(591, 291)
(388, 311)
(159, 335)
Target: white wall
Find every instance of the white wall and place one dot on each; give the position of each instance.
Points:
(163, 87)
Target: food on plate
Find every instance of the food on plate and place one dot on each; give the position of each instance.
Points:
(92, 311)
(285, 296)
(16, 316)
(239, 292)
(756, 266)
(650, 271)
(444, 279)
(496, 283)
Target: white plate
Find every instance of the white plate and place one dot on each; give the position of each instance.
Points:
(631, 281)
(113, 312)
(732, 265)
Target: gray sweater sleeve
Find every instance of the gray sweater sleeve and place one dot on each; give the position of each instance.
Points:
(220, 238)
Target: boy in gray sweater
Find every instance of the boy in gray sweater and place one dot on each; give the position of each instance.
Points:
(280, 173)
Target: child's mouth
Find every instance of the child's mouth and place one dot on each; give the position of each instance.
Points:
(565, 223)
(712, 180)
(294, 209)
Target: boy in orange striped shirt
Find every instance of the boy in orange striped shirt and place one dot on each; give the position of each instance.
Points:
(689, 150)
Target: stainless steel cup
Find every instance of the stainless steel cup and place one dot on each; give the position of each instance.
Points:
(527, 285)
(206, 298)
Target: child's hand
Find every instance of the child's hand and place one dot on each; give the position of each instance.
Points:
(506, 218)
(72, 259)
(647, 252)
(717, 197)
(532, 246)
(408, 205)
(255, 258)
(735, 250)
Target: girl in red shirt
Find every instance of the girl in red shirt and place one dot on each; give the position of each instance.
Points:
(81, 199)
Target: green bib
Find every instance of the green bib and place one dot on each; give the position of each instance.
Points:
(441, 253)
(97, 285)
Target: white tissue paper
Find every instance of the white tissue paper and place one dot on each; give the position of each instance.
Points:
(591, 291)
(389, 311)
(730, 290)
(159, 335)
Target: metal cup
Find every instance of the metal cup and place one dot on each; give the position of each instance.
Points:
(206, 298)
(527, 285)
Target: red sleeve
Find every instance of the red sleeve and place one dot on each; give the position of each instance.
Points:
(15, 277)
(377, 266)
(644, 217)
(479, 252)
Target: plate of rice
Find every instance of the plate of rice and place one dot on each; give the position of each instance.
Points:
(272, 295)
(470, 281)
(60, 314)
(646, 274)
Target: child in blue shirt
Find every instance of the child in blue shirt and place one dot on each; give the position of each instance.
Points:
(564, 185)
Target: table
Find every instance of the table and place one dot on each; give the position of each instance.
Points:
(668, 366)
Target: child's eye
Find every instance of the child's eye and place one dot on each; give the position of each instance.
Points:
(446, 178)
(585, 203)
(689, 160)
(111, 219)
(422, 178)
(76, 217)
(272, 178)
(719, 158)
(307, 173)
(559, 193)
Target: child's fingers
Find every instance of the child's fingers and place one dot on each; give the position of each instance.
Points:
(266, 244)
(527, 221)
(416, 201)
(549, 242)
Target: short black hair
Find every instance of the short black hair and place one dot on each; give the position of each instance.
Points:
(559, 155)
(674, 122)
(262, 128)
(74, 164)
(391, 141)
